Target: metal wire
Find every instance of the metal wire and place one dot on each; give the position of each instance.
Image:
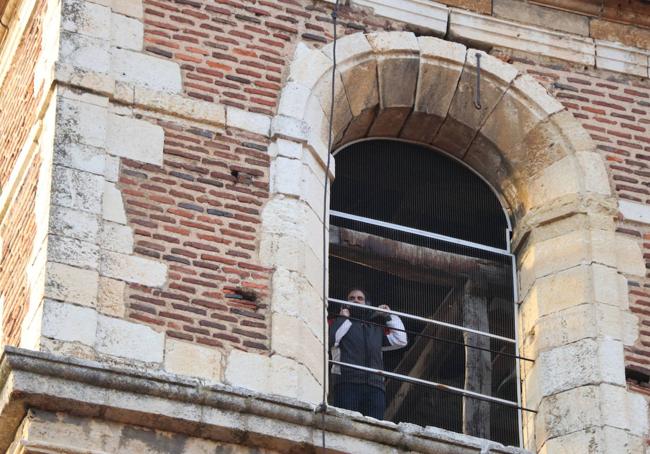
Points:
(323, 405)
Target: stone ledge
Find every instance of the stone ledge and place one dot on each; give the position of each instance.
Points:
(168, 402)
(484, 31)
(152, 100)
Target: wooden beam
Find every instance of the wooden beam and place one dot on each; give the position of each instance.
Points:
(418, 263)
(478, 364)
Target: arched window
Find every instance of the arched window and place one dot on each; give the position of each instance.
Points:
(426, 236)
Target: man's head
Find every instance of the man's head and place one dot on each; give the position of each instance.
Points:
(357, 295)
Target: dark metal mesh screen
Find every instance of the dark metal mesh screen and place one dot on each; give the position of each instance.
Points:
(433, 278)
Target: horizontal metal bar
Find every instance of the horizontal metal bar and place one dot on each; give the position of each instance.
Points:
(432, 384)
(436, 236)
(448, 341)
(426, 320)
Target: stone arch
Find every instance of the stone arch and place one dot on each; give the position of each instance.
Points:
(574, 319)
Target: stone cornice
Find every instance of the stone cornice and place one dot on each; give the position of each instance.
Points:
(190, 406)
(486, 31)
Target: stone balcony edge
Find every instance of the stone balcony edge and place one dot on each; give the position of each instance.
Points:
(164, 401)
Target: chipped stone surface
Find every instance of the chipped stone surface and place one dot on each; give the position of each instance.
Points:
(113, 205)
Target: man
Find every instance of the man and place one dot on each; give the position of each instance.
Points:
(358, 336)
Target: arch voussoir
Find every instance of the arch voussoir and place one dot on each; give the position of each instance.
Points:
(463, 119)
(441, 64)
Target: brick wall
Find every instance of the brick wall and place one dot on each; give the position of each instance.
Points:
(17, 97)
(18, 113)
(17, 231)
(200, 214)
(236, 51)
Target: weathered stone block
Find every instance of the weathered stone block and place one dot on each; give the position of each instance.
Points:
(293, 296)
(397, 67)
(287, 177)
(130, 268)
(185, 358)
(627, 35)
(130, 340)
(80, 122)
(584, 362)
(541, 17)
(209, 112)
(482, 31)
(128, 8)
(126, 32)
(85, 52)
(135, 139)
(80, 157)
(293, 100)
(71, 284)
(308, 352)
(141, 69)
(86, 18)
(623, 59)
(76, 189)
(308, 66)
(73, 223)
(73, 252)
(70, 323)
(116, 237)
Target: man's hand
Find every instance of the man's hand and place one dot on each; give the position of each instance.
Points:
(384, 306)
(345, 312)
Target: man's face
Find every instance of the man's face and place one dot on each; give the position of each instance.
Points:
(357, 296)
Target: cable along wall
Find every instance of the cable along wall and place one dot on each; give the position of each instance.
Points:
(426, 236)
